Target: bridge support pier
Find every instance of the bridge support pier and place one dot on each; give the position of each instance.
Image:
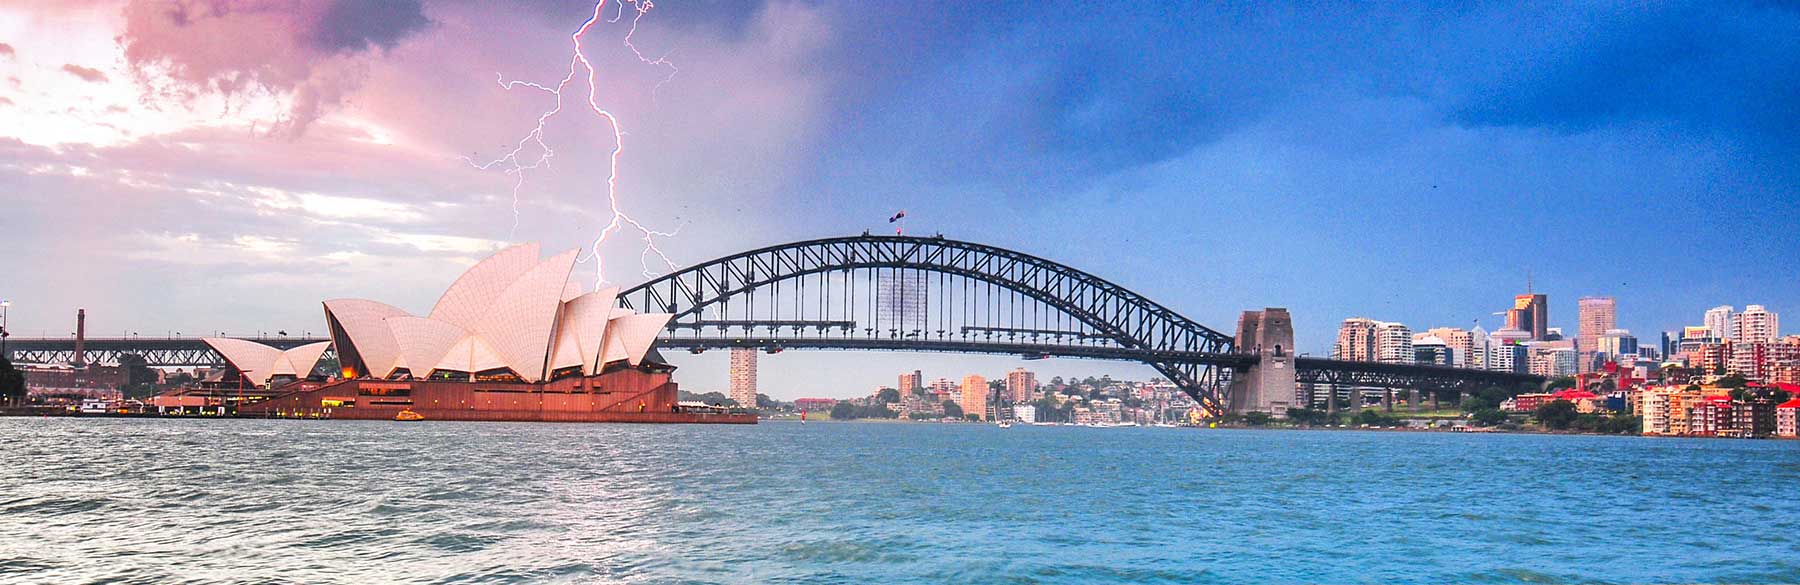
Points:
(1269, 386)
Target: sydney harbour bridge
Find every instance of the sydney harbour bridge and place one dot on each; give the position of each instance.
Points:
(910, 293)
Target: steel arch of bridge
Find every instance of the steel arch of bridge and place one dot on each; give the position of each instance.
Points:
(1099, 319)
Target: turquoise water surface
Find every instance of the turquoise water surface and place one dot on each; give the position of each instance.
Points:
(252, 501)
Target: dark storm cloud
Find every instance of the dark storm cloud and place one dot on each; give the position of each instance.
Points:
(1716, 67)
(357, 25)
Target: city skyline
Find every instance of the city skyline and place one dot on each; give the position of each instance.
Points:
(1161, 178)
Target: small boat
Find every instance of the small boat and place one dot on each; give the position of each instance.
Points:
(1006, 424)
(408, 415)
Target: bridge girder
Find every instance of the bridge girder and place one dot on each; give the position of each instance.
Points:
(1107, 315)
(1405, 376)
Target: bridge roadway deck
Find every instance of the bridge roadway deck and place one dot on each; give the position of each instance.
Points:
(191, 352)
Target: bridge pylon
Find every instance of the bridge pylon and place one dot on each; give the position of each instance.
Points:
(1268, 385)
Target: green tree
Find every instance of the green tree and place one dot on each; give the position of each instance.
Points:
(1623, 424)
(1376, 418)
(12, 383)
(1731, 381)
(843, 411)
(1562, 382)
(1488, 417)
(1257, 419)
(952, 409)
(1556, 414)
(887, 396)
(1308, 416)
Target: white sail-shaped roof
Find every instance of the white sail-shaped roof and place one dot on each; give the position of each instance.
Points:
(306, 357)
(521, 320)
(255, 360)
(471, 355)
(508, 311)
(580, 328)
(260, 362)
(637, 333)
(469, 298)
(365, 323)
(424, 341)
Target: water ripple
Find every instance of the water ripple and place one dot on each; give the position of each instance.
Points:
(248, 501)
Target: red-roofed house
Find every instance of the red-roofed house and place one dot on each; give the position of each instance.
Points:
(1784, 418)
(1585, 401)
(1711, 415)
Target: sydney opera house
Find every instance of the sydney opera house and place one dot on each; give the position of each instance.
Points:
(512, 339)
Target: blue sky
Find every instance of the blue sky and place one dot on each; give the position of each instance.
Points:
(1406, 162)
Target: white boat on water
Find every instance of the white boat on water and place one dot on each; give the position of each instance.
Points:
(1006, 424)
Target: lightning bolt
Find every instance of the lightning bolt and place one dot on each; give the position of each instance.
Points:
(531, 152)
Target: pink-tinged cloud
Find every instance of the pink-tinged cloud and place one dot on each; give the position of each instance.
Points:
(4, 101)
(87, 74)
(7, 50)
(313, 52)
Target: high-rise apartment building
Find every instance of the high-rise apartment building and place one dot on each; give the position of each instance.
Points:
(1394, 344)
(1755, 325)
(743, 376)
(974, 396)
(1718, 321)
(1020, 384)
(1355, 340)
(1597, 315)
(911, 383)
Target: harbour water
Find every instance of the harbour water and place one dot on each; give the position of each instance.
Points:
(257, 501)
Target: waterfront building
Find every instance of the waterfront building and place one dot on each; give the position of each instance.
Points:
(1596, 315)
(1755, 325)
(1025, 413)
(513, 338)
(1653, 407)
(974, 396)
(743, 376)
(1020, 384)
(815, 404)
(1785, 419)
(1709, 416)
